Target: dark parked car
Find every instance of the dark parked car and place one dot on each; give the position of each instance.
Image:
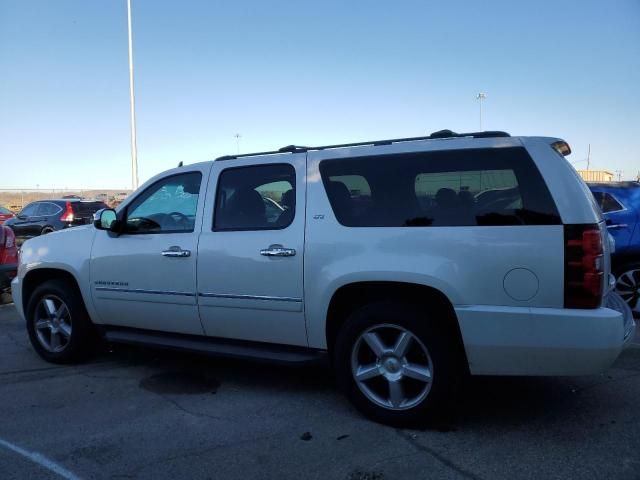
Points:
(46, 216)
(8, 257)
(620, 203)
(5, 214)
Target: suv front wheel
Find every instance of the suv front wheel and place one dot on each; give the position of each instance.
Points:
(398, 365)
(58, 324)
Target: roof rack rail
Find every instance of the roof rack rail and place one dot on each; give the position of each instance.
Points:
(435, 135)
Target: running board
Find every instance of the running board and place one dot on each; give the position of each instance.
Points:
(221, 347)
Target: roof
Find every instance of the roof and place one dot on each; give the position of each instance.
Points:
(434, 136)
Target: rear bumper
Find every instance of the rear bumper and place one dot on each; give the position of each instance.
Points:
(7, 273)
(542, 341)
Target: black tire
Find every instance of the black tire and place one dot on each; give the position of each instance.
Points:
(82, 339)
(46, 230)
(635, 300)
(433, 330)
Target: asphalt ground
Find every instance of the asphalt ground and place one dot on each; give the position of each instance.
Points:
(142, 413)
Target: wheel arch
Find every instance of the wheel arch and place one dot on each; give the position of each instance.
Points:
(37, 276)
(352, 296)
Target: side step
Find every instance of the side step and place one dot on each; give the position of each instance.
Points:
(222, 347)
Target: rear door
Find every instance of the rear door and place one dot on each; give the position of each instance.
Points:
(250, 255)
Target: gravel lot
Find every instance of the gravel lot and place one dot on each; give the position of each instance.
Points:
(141, 413)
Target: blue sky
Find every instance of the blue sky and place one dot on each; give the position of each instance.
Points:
(283, 72)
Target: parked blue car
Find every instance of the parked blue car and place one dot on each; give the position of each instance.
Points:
(620, 203)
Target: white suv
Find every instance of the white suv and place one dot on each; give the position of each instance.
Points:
(406, 262)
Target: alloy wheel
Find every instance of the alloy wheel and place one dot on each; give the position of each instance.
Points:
(53, 323)
(392, 367)
(628, 287)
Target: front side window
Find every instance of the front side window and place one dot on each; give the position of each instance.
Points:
(260, 197)
(488, 187)
(168, 206)
(607, 202)
(29, 210)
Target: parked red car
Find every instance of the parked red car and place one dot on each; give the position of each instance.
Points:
(5, 214)
(8, 257)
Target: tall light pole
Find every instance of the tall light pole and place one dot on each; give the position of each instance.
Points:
(237, 137)
(132, 104)
(480, 97)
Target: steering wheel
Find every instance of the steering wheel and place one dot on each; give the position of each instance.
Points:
(180, 219)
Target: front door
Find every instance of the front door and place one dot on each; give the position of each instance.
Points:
(23, 225)
(146, 277)
(250, 254)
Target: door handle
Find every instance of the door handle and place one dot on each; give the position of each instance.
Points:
(176, 252)
(616, 226)
(277, 251)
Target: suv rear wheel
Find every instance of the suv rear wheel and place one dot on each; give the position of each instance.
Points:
(628, 286)
(398, 365)
(58, 324)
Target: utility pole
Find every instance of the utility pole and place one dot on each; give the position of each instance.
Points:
(237, 137)
(134, 148)
(480, 97)
(589, 157)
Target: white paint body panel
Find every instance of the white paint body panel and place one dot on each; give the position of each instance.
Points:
(511, 323)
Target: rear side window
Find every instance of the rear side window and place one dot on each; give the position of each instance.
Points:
(607, 202)
(260, 197)
(47, 209)
(489, 187)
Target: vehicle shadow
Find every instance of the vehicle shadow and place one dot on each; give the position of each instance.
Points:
(499, 402)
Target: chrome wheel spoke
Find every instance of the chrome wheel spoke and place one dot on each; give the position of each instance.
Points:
(43, 324)
(396, 393)
(366, 372)
(55, 340)
(375, 344)
(61, 312)
(65, 330)
(50, 307)
(402, 344)
(417, 372)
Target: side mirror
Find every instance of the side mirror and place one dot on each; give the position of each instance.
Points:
(105, 219)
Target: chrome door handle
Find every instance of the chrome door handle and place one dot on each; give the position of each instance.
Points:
(277, 251)
(616, 226)
(176, 252)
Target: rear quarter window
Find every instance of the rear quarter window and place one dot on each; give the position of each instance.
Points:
(488, 187)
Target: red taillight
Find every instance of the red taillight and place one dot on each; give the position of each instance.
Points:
(67, 216)
(583, 266)
(8, 249)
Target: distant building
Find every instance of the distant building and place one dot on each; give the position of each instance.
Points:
(596, 175)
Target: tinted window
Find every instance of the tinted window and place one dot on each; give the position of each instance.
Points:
(444, 188)
(262, 197)
(167, 206)
(46, 209)
(87, 208)
(4, 211)
(29, 210)
(607, 202)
